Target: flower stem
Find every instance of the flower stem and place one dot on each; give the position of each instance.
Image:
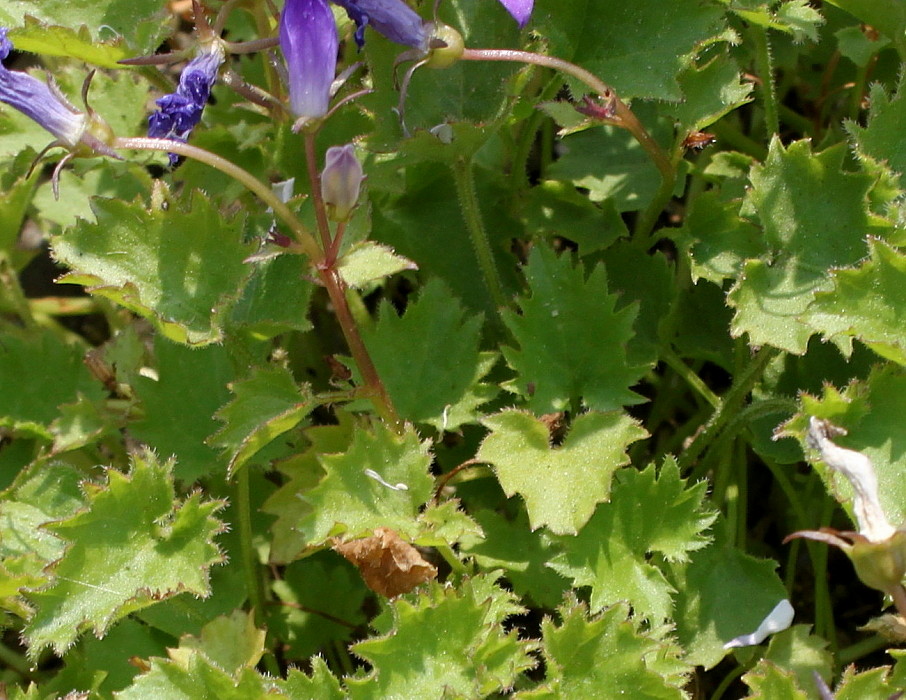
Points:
(307, 244)
(765, 65)
(314, 177)
(376, 390)
(246, 548)
(729, 405)
(468, 202)
(305, 240)
(623, 116)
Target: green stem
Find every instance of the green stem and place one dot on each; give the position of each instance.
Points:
(730, 404)
(377, 392)
(622, 115)
(862, 648)
(305, 240)
(526, 139)
(728, 681)
(691, 378)
(246, 549)
(450, 557)
(765, 67)
(824, 611)
(468, 202)
(17, 662)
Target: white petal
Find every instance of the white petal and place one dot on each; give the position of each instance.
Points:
(777, 620)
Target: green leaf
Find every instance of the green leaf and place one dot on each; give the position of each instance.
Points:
(56, 376)
(425, 223)
(572, 344)
(648, 512)
(871, 412)
(712, 91)
(872, 684)
(276, 297)
(43, 493)
(770, 682)
(321, 600)
(814, 218)
(232, 643)
(709, 589)
(321, 685)
(718, 239)
(179, 405)
(610, 164)
(796, 650)
(139, 21)
(522, 553)
(445, 642)
(302, 473)
(180, 268)
(265, 406)
(67, 42)
(561, 485)
(193, 675)
(800, 19)
(881, 138)
(351, 502)
(133, 545)
(868, 303)
(368, 262)
(857, 47)
(429, 359)
(637, 48)
(555, 208)
(887, 16)
(585, 657)
(111, 659)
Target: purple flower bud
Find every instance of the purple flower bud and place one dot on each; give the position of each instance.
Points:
(180, 111)
(308, 38)
(520, 9)
(39, 101)
(340, 181)
(392, 18)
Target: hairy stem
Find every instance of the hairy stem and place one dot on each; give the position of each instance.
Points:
(468, 202)
(729, 405)
(765, 65)
(303, 237)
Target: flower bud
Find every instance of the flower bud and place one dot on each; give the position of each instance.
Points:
(341, 180)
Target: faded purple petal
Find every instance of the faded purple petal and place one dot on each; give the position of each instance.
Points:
(37, 101)
(520, 9)
(180, 111)
(308, 37)
(341, 180)
(392, 18)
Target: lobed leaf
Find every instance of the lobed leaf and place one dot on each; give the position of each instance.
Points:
(561, 485)
(134, 544)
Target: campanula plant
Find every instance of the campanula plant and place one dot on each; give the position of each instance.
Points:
(501, 423)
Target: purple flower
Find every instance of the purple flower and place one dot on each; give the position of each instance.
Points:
(520, 9)
(39, 101)
(392, 18)
(308, 38)
(180, 111)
